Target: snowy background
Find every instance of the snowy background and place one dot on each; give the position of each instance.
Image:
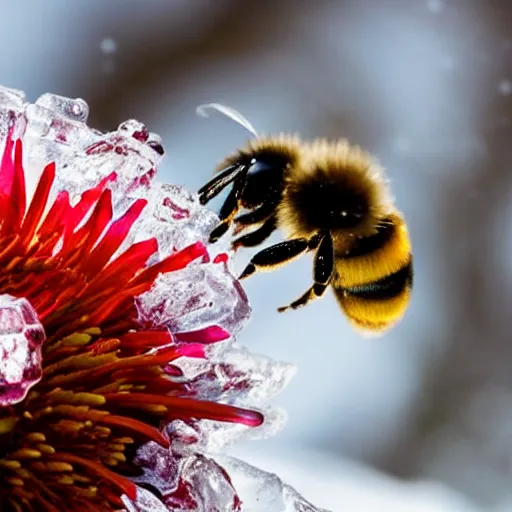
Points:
(422, 418)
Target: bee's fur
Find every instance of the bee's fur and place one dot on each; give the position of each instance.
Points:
(328, 197)
(337, 186)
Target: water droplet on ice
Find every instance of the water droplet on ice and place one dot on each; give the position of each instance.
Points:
(76, 109)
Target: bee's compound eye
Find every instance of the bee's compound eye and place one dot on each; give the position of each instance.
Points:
(263, 178)
(259, 167)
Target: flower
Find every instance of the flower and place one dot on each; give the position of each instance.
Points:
(119, 372)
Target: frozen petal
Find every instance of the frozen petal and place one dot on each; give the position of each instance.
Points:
(21, 339)
(213, 436)
(206, 487)
(202, 295)
(187, 483)
(145, 501)
(238, 375)
(175, 218)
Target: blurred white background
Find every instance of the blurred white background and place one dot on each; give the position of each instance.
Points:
(426, 85)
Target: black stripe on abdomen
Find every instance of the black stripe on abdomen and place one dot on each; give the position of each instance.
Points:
(385, 288)
(370, 244)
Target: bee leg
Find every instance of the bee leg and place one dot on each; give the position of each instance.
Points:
(229, 209)
(256, 237)
(259, 215)
(276, 255)
(322, 273)
(220, 181)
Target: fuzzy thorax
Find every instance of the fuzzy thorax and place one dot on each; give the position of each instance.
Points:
(337, 187)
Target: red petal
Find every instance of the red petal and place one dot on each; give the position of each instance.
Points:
(145, 340)
(87, 201)
(125, 485)
(135, 426)
(53, 219)
(7, 169)
(18, 193)
(221, 258)
(113, 238)
(208, 335)
(123, 268)
(12, 186)
(190, 408)
(85, 238)
(175, 261)
(38, 204)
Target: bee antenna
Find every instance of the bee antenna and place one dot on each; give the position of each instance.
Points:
(233, 114)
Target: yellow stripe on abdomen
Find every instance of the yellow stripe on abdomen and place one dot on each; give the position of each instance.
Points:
(373, 258)
(377, 306)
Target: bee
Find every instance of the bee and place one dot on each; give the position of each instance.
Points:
(329, 197)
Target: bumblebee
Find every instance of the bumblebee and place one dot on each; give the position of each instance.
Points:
(328, 197)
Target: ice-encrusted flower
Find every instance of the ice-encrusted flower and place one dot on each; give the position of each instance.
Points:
(120, 378)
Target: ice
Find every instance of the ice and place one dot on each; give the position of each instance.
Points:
(260, 491)
(207, 485)
(11, 110)
(54, 130)
(179, 480)
(145, 501)
(175, 218)
(201, 295)
(198, 483)
(21, 339)
(234, 376)
(241, 376)
(213, 436)
(124, 152)
(73, 109)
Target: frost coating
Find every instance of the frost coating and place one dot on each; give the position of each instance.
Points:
(21, 338)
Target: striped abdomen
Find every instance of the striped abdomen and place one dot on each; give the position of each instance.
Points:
(373, 280)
